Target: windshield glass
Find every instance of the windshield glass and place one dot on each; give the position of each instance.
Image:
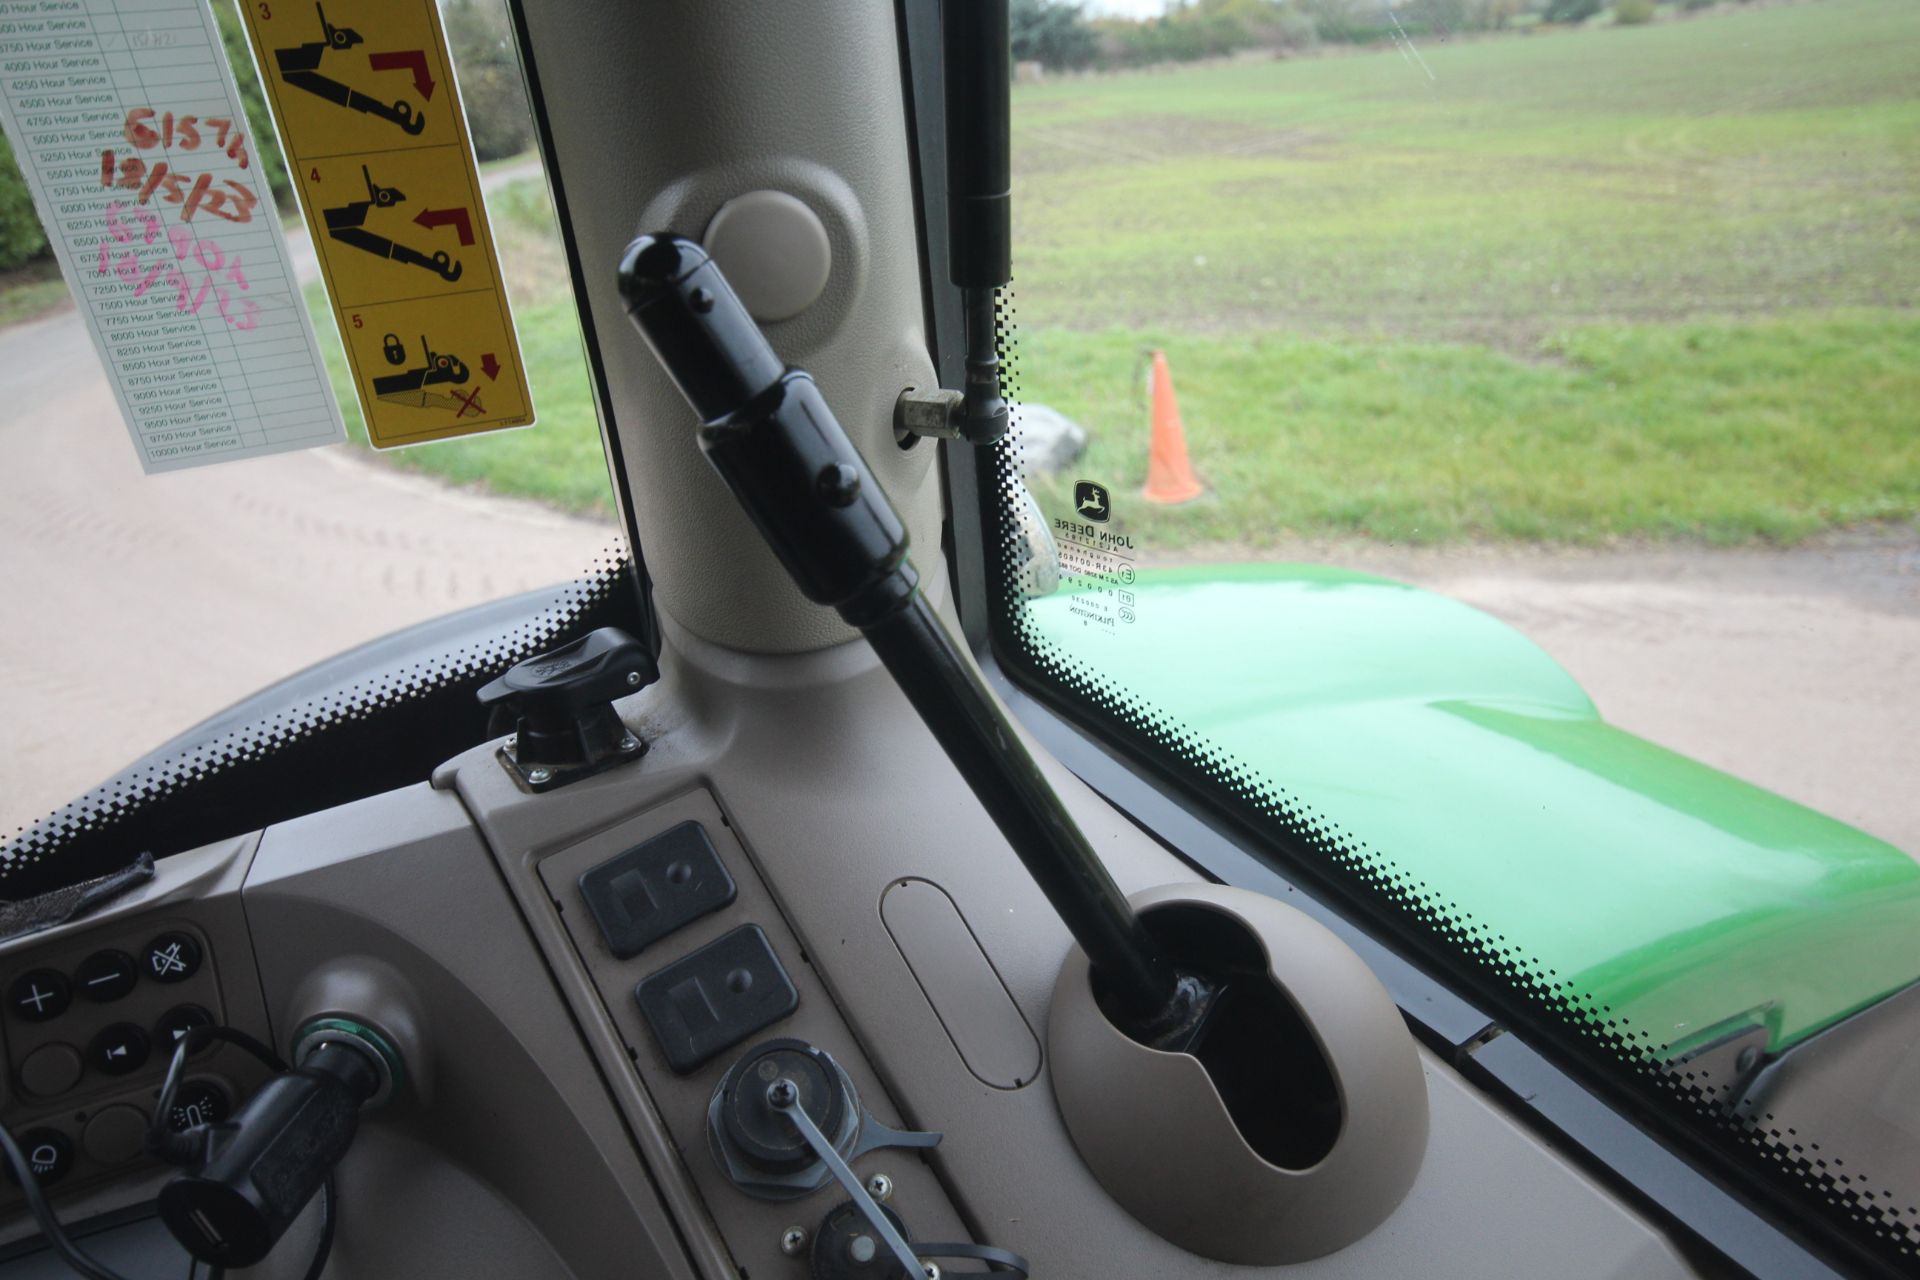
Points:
(1477, 442)
(140, 604)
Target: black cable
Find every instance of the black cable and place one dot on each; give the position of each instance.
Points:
(324, 1247)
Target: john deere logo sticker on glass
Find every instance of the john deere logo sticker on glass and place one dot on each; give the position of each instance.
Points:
(1091, 502)
(370, 119)
(1095, 563)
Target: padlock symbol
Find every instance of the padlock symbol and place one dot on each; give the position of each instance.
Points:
(396, 350)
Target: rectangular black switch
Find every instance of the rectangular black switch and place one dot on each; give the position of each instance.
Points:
(716, 997)
(652, 889)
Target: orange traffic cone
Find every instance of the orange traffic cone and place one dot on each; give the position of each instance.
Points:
(1170, 477)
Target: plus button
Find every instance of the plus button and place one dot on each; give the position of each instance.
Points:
(40, 995)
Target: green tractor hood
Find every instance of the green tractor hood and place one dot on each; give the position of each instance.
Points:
(1687, 901)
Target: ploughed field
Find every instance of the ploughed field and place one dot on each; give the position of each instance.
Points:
(1576, 286)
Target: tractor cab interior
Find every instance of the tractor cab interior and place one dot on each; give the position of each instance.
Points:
(842, 880)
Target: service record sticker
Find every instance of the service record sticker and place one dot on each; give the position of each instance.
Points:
(377, 145)
(126, 123)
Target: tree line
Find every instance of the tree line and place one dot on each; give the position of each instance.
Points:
(1060, 36)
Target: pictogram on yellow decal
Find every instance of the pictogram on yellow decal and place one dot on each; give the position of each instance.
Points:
(377, 146)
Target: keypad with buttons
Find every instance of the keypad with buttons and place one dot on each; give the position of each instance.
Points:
(89, 1024)
(84, 1019)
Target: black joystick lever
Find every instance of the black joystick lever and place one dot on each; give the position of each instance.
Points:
(769, 433)
(560, 707)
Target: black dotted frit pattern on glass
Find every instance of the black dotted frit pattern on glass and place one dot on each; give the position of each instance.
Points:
(1802, 1175)
(388, 729)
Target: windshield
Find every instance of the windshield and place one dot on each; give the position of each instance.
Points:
(1476, 443)
(141, 604)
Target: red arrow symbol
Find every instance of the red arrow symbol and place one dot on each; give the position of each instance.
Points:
(414, 58)
(489, 366)
(455, 218)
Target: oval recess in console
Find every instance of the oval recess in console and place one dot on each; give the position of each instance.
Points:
(980, 1017)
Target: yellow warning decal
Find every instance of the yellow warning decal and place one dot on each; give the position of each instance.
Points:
(377, 147)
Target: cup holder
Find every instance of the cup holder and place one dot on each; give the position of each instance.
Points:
(1298, 1123)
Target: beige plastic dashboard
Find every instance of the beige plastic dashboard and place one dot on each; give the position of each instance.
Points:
(544, 1133)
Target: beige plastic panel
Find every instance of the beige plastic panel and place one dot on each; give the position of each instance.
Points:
(722, 99)
(973, 1005)
(503, 1156)
(839, 792)
(752, 1228)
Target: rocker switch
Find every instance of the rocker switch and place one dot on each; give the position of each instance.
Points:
(652, 889)
(716, 997)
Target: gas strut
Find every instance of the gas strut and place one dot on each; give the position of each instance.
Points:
(769, 433)
(976, 69)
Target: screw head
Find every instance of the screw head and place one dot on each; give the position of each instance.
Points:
(793, 1241)
(541, 774)
(838, 483)
(629, 742)
(633, 679)
(880, 1187)
(782, 1093)
(933, 1271)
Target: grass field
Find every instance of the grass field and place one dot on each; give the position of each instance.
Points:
(1717, 431)
(29, 292)
(1611, 283)
(1602, 284)
(1736, 164)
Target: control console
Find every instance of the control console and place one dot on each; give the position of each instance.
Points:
(93, 1011)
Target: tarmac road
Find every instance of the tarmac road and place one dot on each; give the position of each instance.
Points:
(135, 606)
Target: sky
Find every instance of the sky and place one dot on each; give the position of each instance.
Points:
(1125, 8)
